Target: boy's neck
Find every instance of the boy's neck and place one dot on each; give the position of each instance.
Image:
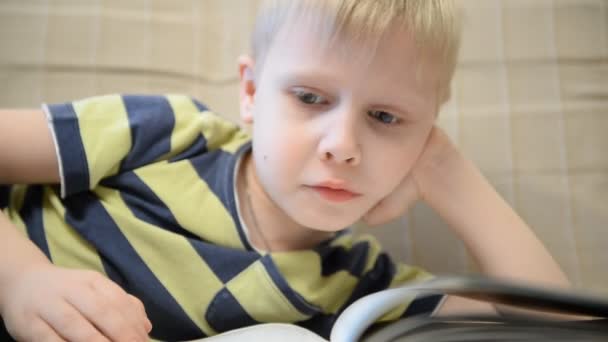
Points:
(269, 228)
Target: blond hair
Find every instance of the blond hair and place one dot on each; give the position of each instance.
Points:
(434, 24)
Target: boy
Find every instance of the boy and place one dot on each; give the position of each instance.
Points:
(201, 230)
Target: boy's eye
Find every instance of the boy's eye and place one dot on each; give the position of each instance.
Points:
(310, 98)
(383, 117)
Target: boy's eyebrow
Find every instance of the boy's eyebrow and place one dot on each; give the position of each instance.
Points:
(305, 77)
(395, 109)
(414, 103)
(410, 112)
(406, 103)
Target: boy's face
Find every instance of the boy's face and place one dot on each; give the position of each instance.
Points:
(337, 118)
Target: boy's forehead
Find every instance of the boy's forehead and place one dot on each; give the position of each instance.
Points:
(387, 74)
(394, 57)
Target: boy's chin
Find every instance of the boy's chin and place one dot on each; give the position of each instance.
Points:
(330, 225)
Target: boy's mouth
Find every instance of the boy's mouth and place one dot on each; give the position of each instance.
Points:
(334, 191)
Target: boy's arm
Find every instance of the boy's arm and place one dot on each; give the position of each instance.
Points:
(27, 153)
(27, 156)
(500, 242)
(39, 301)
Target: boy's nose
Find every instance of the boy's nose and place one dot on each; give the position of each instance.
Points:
(340, 143)
(329, 156)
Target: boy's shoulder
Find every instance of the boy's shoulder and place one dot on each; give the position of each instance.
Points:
(179, 117)
(103, 136)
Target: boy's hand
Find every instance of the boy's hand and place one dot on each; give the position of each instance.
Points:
(49, 303)
(437, 150)
(456, 189)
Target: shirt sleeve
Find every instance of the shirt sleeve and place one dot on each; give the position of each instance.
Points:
(102, 136)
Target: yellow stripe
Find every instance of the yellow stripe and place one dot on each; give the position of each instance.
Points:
(170, 257)
(105, 145)
(66, 246)
(223, 133)
(190, 123)
(397, 312)
(239, 139)
(344, 240)
(409, 274)
(302, 271)
(255, 291)
(192, 203)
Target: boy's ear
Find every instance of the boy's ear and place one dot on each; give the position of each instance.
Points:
(247, 88)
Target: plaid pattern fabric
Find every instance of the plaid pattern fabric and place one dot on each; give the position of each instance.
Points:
(529, 107)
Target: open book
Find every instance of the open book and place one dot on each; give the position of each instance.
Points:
(356, 322)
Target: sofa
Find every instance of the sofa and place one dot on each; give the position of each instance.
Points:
(529, 101)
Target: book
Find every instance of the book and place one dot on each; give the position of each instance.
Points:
(586, 320)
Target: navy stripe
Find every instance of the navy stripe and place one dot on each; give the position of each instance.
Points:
(151, 119)
(4, 335)
(200, 106)
(113, 272)
(197, 148)
(377, 279)
(5, 195)
(226, 263)
(334, 259)
(320, 324)
(86, 214)
(294, 298)
(216, 168)
(423, 305)
(31, 214)
(148, 207)
(74, 162)
(144, 203)
(226, 313)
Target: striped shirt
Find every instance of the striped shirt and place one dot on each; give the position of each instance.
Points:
(147, 198)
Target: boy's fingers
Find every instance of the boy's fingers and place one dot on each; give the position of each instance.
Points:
(142, 311)
(394, 205)
(128, 320)
(72, 308)
(69, 324)
(39, 330)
